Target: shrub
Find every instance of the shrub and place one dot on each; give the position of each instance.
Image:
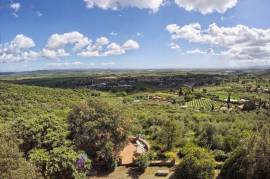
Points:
(12, 163)
(170, 155)
(197, 163)
(170, 133)
(59, 163)
(121, 94)
(220, 155)
(95, 94)
(127, 100)
(250, 159)
(143, 161)
(249, 106)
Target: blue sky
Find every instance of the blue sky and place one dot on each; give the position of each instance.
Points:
(84, 34)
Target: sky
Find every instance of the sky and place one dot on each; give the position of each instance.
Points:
(133, 34)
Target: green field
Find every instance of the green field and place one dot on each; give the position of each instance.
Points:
(205, 104)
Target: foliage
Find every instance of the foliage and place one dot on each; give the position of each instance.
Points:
(99, 129)
(58, 163)
(170, 133)
(197, 163)
(249, 106)
(170, 155)
(207, 137)
(206, 104)
(38, 115)
(41, 132)
(12, 163)
(44, 141)
(250, 159)
(121, 94)
(143, 161)
(220, 155)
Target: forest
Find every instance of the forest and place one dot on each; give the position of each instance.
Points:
(211, 124)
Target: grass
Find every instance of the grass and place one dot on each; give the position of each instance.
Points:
(130, 173)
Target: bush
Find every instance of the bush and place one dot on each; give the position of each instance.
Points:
(170, 155)
(59, 162)
(170, 133)
(249, 106)
(127, 100)
(250, 159)
(121, 94)
(143, 161)
(12, 163)
(197, 163)
(95, 94)
(220, 155)
(189, 98)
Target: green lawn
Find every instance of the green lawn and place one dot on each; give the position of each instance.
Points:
(131, 173)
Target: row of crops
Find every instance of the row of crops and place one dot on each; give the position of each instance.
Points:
(205, 104)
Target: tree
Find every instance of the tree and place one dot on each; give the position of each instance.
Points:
(99, 129)
(197, 163)
(12, 163)
(212, 107)
(59, 163)
(250, 159)
(204, 90)
(228, 100)
(45, 143)
(180, 92)
(249, 106)
(170, 133)
(41, 132)
(206, 138)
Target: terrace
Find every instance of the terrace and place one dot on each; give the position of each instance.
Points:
(135, 147)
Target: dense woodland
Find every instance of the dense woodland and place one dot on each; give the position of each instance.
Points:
(211, 124)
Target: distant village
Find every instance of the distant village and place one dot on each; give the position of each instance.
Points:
(131, 83)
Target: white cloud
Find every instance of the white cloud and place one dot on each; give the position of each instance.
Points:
(195, 51)
(89, 53)
(22, 42)
(65, 64)
(15, 6)
(97, 49)
(130, 45)
(113, 34)
(152, 5)
(72, 38)
(18, 50)
(102, 41)
(202, 6)
(200, 51)
(174, 45)
(114, 49)
(239, 42)
(53, 54)
(206, 6)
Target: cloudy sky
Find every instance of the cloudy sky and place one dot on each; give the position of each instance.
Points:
(85, 34)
